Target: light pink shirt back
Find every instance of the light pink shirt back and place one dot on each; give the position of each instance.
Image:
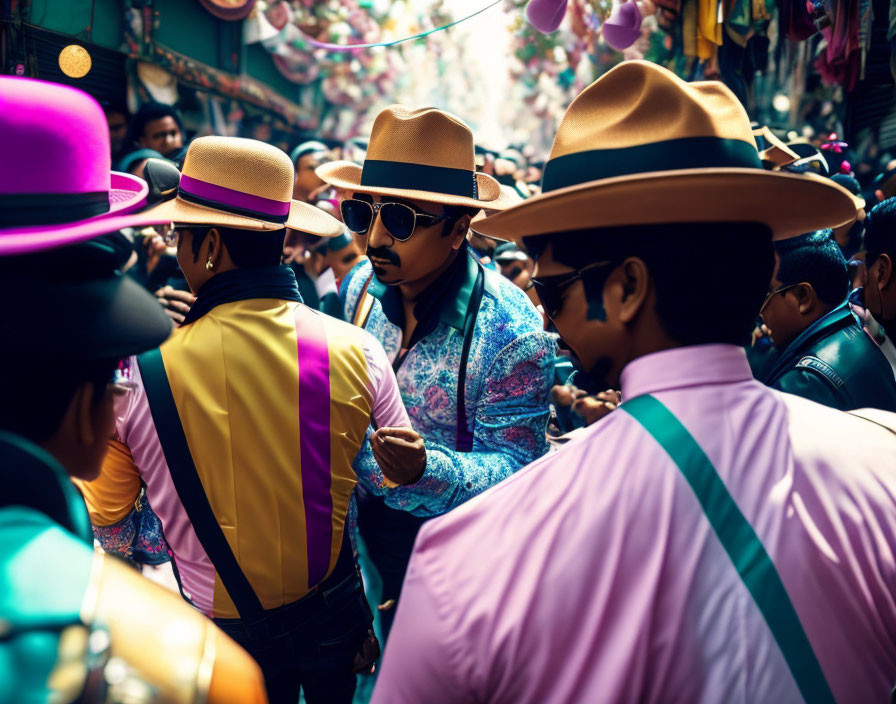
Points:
(593, 575)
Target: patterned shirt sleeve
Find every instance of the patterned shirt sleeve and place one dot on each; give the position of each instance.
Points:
(511, 417)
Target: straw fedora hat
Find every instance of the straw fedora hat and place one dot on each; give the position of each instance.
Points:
(640, 146)
(241, 183)
(424, 154)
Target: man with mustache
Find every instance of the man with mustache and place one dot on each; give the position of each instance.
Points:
(473, 364)
(712, 540)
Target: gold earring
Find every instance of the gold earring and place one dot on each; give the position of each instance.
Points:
(208, 264)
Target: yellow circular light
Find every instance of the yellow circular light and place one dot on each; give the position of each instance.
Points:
(74, 61)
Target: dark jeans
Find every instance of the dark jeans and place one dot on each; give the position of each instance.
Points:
(309, 644)
(389, 536)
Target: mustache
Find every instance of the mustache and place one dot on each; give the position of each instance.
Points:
(385, 254)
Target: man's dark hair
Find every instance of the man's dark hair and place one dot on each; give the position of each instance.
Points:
(36, 392)
(710, 278)
(880, 231)
(816, 259)
(848, 182)
(248, 249)
(149, 112)
(453, 213)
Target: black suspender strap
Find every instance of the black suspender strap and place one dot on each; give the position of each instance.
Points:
(189, 486)
(464, 435)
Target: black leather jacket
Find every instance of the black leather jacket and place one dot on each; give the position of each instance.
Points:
(834, 362)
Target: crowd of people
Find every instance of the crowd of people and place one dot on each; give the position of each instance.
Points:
(615, 426)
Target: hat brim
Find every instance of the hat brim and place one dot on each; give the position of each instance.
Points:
(302, 216)
(347, 175)
(789, 204)
(127, 194)
(110, 317)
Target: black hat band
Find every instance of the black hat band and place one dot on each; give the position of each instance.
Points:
(34, 209)
(670, 155)
(419, 177)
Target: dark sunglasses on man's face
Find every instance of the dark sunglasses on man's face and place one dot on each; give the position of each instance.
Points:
(399, 219)
(551, 289)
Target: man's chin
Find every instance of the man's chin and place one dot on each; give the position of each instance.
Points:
(594, 379)
(385, 277)
(597, 378)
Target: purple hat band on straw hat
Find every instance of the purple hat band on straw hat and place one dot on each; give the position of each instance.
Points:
(211, 195)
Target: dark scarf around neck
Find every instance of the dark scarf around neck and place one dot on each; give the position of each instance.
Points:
(242, 284)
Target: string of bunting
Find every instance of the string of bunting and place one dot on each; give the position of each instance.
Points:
(421, 35)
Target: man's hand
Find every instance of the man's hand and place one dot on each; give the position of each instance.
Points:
(590, 408)
(593, 408)
(175, 302)
(400, 453)
(365, 659)
(155, 247)
(759, 333)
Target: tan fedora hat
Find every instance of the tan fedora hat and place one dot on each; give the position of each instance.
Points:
(640, 146)
(773, 153)
(241, 183)
(424, 154)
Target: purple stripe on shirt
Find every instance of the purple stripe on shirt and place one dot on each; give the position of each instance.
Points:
(314, 442)
(236, 199)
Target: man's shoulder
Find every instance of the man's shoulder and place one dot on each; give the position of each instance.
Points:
(352, 285)
(822, 432)
(507, 314)
(849, 359)
(511, 302)
(531, 502)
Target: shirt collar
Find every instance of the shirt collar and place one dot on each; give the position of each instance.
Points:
(839, 317)
(446, 299)
(681, 367)
(277, 282)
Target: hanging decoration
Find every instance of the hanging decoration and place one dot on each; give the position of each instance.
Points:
(546, 15)
(75, 61)
(354, 47)
(623, 27)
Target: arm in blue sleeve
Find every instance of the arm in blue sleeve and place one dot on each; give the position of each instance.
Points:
(511, 417)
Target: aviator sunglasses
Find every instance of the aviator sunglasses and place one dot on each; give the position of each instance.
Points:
(551, 289)
(399, 219)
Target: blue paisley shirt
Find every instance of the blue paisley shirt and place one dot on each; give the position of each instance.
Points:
(509, 377)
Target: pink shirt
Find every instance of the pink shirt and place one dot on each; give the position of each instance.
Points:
(592, 575)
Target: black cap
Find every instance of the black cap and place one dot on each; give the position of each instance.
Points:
(73, 301)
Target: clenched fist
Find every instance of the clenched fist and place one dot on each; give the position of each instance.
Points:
(400, 454)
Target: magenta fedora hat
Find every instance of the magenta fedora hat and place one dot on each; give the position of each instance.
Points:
(56, 183)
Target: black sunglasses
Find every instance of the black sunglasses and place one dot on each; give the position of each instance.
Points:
(551, 289)
(399, 219)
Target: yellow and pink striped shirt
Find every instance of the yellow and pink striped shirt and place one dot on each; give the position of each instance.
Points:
(275, 400)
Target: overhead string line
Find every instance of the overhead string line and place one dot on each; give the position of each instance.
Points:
(352, 47)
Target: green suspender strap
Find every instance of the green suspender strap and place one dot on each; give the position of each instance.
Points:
(740, 541)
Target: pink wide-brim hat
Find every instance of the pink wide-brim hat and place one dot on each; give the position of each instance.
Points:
(56, 183)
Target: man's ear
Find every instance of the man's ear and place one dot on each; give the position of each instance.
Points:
(635, 287)
(806, 297)
(212, 247)
(885, 277)
(459, 233)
